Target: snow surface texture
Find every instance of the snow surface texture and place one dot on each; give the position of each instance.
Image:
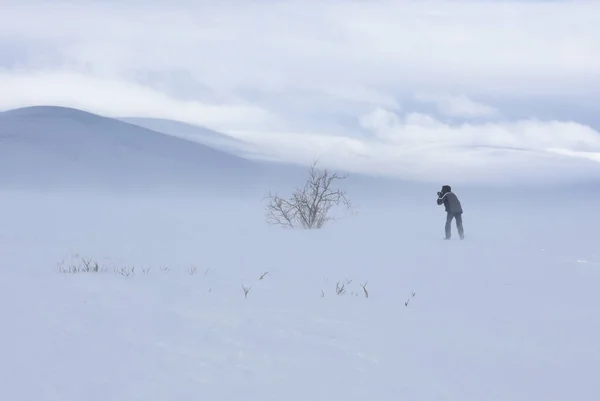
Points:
(509, 314)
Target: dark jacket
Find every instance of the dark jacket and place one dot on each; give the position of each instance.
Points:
(450, 201)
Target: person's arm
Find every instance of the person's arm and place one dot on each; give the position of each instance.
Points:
(441, 197)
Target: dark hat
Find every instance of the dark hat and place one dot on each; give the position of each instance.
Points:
(446, 188)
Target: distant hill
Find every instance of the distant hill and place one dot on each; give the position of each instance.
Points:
(194, 133)
(48, 145)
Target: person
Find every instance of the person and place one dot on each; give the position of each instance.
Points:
(453, 210)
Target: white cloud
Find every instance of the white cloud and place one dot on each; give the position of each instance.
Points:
(457, 105)
(268, 70)
(311, 45)
(414, 128)
(595, 156)
(118, 97)
(418, 146)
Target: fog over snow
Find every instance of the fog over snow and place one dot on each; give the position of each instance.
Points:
(138, 140)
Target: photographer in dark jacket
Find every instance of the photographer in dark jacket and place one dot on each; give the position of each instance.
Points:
(453, 210)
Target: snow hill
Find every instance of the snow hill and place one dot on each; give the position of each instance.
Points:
(194, 133)
(46, 145)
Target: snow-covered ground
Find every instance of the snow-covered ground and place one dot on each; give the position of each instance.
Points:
(510, 314)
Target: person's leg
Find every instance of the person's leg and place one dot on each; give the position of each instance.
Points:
(459, 225)
(448, 228)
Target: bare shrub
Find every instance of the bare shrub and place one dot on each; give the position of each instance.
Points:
(309, 207)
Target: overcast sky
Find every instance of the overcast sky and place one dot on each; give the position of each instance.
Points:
(400, 87)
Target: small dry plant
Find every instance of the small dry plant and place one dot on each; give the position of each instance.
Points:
(125, 271)
(364, 287)
(84, 266)
(340, 289)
